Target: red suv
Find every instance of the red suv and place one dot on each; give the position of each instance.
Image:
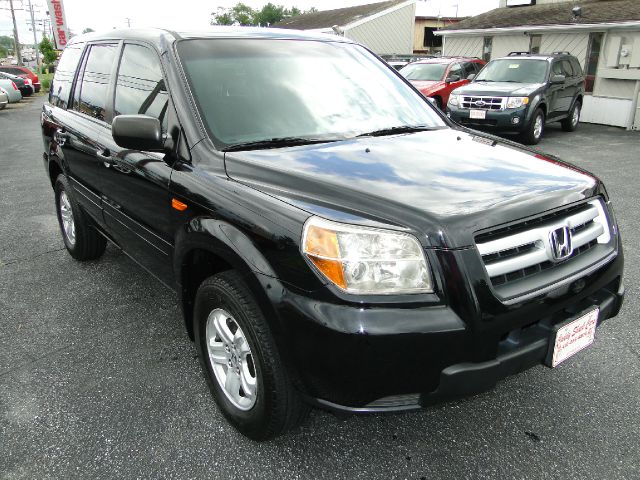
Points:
(438, 77)
(23, 72)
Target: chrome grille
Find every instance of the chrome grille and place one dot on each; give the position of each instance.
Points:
(526, 250)
(484, 103)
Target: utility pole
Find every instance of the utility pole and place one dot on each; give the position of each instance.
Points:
(35, 36)
(16, 40)
(128, 22)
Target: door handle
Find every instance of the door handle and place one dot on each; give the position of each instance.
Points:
(105, 156)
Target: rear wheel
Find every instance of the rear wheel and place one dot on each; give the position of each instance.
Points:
(240, 360)
(570, 123)
(535, 129)
(83, 242)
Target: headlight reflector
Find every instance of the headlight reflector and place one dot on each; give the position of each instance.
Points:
(454, 100)
(515, 102)
(365, 260)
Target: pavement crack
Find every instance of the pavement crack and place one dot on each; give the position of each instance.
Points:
(30, 257)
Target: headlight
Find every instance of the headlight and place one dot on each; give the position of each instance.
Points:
(366, 261)
(454, 100)
(515, 102)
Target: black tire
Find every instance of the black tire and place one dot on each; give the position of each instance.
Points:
(88, 243)
(570, 123)
(529, 136)
(278, 407)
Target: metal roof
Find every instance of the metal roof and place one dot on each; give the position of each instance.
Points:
(593, 11)
(338, 16)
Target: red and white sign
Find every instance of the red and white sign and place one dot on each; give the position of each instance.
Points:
(574, 336)
(58, 23)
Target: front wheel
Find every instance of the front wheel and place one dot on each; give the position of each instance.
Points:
(570, 123)
(240, 360)
(535, 129)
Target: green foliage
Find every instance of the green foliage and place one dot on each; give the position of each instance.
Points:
(242, 14)
(49, 55)
(6, 46)
(88, 30)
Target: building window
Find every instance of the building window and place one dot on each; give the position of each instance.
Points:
(486, 48)
(431, 40)
(534, 43)
(593, 56)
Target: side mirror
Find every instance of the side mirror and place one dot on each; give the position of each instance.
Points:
(557, 78)
(137, 132)
(471, 77)
(452, 78)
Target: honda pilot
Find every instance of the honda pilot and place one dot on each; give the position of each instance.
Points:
(333, 239)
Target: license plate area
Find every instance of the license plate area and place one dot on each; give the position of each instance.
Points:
(478, 114)
(572, 336)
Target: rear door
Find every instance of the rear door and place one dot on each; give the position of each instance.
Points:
(83, 125)
(136, 198)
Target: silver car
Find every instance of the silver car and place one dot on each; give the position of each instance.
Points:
(4, 98)
(12, 90)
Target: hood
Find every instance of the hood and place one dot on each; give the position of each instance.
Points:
(425, 84)
(498, 88)
(443, 184)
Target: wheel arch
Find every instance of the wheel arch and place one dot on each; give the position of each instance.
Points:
(209, 246)
(54, 168)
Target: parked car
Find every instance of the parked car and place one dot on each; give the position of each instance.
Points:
(521, 93)
(23, 72)
(331, 245)
(23, 84)
(12, 90)
(4, 98)
(438, 77)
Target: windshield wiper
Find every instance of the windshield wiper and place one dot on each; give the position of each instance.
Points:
(398, 129)
(277, 142)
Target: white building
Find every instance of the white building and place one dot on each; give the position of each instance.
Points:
(603, 34)
(386, 27)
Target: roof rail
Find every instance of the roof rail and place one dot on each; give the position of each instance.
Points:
(514, 54)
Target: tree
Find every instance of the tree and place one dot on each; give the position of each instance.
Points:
(242, 14)
(88, 30)
(49, 55)
(6, 46)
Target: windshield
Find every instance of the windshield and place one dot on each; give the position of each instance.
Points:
(424, 71)
(250, 90)
(514, 70)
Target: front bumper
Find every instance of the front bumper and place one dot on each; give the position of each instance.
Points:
(509, 120)
(353, 359)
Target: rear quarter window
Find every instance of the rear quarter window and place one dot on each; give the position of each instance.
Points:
(63, 79)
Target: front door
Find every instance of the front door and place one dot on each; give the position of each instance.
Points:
(136, 198)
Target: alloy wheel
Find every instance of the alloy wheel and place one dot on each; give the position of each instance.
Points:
(231, 359)
(66, 215)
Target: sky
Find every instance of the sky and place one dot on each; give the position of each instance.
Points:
(190, 14)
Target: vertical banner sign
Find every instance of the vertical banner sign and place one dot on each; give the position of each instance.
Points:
(58, 23)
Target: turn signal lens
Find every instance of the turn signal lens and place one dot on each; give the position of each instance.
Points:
(366, 260)
(178, 205)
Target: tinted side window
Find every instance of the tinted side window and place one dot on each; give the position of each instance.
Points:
(95, 81)
(469, 69)
(62, 80)
(567, 68)
(577, 69)
(456, 70)
(140, 88)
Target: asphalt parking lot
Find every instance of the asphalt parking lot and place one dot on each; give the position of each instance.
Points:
(99, 380)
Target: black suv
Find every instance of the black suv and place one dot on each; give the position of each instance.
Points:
(334, 239)
(520, 93)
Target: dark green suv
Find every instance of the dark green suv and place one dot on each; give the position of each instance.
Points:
(521, 93)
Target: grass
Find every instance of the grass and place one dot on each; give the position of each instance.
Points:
(45, 80)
